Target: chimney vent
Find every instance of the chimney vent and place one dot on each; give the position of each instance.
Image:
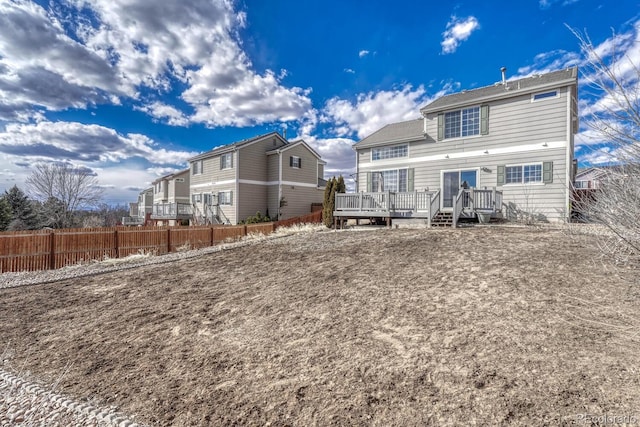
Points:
(504, 75)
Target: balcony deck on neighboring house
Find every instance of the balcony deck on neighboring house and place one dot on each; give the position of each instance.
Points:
(168, 211)
(132, 220)
(427, 205)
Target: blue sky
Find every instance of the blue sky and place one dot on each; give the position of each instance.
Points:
(132, 88)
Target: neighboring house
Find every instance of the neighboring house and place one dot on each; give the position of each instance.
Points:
(171, 204)
(140, 211)
(505, 149)
(590, 178)
(265, 174)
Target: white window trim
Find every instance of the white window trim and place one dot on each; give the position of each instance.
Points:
(231, 162)
(522, 183)
(298, 158)
(556, 96)
(200, 164)
(390, 158)
(226, 198)
(372, 172)
(444, 124)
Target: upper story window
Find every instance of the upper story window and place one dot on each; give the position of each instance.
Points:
(295, 162)
(464, 122)
(390, 152)
(544, 95)
(226, 161)
(179, 179)
(196, 167)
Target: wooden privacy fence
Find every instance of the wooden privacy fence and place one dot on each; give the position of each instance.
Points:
(50, 249)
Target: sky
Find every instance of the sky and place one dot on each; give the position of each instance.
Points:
(131, 89)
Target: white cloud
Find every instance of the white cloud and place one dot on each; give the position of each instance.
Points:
(545, 4)
(363, 53)
(163, 112)
(371, 111)
(77, 142)
(349, 70)
(458, 30)
(80, 53)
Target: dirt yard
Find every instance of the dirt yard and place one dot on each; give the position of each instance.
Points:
(478, 326)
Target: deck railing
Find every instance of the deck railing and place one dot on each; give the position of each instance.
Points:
(458, 204)
(476, 199)
(434, 207)
(171, 210)
(386, 201)
(132, 220)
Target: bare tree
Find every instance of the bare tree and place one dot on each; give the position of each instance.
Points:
(73, 188)
(614, 77)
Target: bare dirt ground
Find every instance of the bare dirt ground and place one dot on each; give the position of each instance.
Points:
(479, 326)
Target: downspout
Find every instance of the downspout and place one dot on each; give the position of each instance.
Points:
(569, 162)
(357, 179)
(237, 196)
(279, 181)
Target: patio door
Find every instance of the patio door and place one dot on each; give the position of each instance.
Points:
(451, 183)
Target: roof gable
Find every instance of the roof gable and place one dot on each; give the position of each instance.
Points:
(537, 82)
(295, 144)
(410, 130)
(236, 146)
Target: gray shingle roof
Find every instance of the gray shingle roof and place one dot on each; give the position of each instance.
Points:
(410, 130)
(230, 147)
(512, 88)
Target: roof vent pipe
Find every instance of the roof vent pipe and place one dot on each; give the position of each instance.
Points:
(504, 75)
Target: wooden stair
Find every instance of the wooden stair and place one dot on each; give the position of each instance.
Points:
(442, 219)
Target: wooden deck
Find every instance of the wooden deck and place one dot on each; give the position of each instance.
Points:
(416, 204)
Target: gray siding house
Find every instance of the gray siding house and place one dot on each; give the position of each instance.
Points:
(265, 174)
(140, 210)
(504, 150)
(171, 199)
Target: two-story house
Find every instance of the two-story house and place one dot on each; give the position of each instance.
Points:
(505, 149)
(171, 204)
(140, 210)
(265, 174)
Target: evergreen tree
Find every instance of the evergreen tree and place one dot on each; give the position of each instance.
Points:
(341, 188)
(24, 216)
(5, 213)
(327, 207)
(332, 201)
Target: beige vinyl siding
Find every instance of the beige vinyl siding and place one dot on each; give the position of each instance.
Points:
(299, 200)
(179, 191)
(252, 199)
(273, 201)
(228, 210)
(513, 121)
(252, 159)
(273, 172)
(308, 173)
(320, 170)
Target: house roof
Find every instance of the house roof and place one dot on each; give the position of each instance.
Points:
(171, 176)
(235, 145)
(517, 87)
(410, 130)
(290, 145)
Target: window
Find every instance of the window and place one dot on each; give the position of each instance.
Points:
(295, 162)
(391, 180)
(196, 198)
(464, 122)
(523, 174)
(179, 179)
(225, 197)
(196, 167)
(544, 95)
(226, 161)
(390, 152)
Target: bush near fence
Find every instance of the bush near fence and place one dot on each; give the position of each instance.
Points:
(50, 249)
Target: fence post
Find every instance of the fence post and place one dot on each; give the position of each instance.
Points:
(52, 251)
(168, 239)
(211, 239)
(117, 243)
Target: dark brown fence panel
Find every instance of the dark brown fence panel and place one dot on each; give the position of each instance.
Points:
(264, 228)
(312, 218)
(73, 246)
(228, 233)
(25, 251)
(185, 238)
(142, 240)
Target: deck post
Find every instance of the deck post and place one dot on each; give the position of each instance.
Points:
(389, 200)
(415, 200)
(388, 222)
(360, 202)
(472, 204)
(493, 198)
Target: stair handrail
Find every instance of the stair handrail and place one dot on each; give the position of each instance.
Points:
(457, 206)
(434, 207)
